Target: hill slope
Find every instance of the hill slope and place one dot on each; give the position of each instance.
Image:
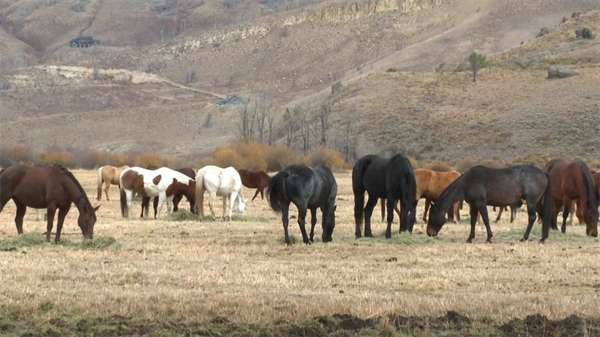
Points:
(152, 84)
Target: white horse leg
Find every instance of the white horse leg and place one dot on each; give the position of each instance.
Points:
(161, 199)
(211, 204)
(232, 198)
(129, 196)
(169, 202)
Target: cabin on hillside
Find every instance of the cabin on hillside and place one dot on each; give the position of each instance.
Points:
(232, 99)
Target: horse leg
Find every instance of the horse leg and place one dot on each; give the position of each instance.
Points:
(513, 213)
(499, 214)
(482, 208)
(359, 201)
(371, 202)
(301, 223)
(255, 194)
(145, 205)
(155, 206)
(211, 204)
(226, 212)
(106, 187)
(49, 221)
(390, 218)
(285, 219)
(21, 209)
(427, 204)
(62, 213)
(566, 208)
(169, 201)
(162, 196)
(313, 222)
(176, 199)
(531, 216)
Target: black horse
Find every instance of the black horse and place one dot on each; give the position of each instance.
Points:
(481, 186)
(392, 179)
(308, 188)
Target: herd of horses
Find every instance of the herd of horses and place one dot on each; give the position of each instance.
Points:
(547, 191)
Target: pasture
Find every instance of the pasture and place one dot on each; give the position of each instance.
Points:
(172, 277)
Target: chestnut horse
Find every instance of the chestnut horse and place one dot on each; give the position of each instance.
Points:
(162, 183)
(430, 185)
(108, 175)
(573, 181)
(481, 186)
(254, 179)
(52, 188)
(574, 210)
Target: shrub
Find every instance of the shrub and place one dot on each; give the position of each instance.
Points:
(465, 163)
(439, 166)
(150, 160)
(325, 156)
(62, 158)
(278, 157)
(226, 156)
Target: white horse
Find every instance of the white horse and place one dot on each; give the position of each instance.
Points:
(224, 182)
(163, 183)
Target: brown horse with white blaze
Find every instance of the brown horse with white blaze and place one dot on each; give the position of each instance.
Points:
(53, 188)
(573, 181)
(108, 175)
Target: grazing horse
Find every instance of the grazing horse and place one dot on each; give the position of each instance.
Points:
(225, 182)
(481, 186)
(393, 179)
(308, 188)
(108, 175)
(52, 188)
(254, 179)
(162, 183)
(430, 185)
(573, 181)
(176, 197)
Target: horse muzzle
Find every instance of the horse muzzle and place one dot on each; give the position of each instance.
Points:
(432, 232)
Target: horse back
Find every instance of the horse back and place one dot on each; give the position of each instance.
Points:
(368, 175)
(324, 187)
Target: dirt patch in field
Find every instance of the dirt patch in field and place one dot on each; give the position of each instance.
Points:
(450, 324)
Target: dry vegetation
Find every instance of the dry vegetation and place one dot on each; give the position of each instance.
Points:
(186, 273)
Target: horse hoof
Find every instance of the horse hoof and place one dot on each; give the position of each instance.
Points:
(488, 241)
(469, 240)
(523, 239)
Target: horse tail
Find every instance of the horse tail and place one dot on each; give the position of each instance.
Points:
(275, 187)
(123, 200)
(547, 209)
(99, 184)
(200, 193)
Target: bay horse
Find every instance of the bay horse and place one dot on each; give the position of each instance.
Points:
(481, 186)
(572, 180)
(176, 197)
(308, 188)
(53, 188)
(430, 185)
(254, 179)
(163, 183)
(225, 182)
(389, 178)
(108, 175)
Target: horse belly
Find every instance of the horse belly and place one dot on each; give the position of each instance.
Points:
(151, 190)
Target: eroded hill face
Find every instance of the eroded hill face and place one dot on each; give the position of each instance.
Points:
(153, 82)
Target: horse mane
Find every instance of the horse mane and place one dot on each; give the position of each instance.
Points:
(592, 202)
(63, 171)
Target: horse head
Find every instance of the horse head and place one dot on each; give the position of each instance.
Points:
(86, 220)
(436, 220)
(591, 221)
(240, 204)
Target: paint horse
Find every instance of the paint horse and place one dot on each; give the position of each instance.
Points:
(573, 181)
(481, 186)
(163, 183)
(392, 179)
(176, 197)
(53, 188)
(108, 175)
(225, 182)
(254, 179)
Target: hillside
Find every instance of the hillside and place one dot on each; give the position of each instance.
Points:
(153, 82)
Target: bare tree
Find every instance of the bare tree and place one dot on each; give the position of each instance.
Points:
(324, 114)
(246, 118)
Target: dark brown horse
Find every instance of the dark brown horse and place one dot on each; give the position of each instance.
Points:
(481, 186)
(573, 181)
(254, 179)
(52, 188)
(108, 175)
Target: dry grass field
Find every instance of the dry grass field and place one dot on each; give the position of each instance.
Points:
(172, 277)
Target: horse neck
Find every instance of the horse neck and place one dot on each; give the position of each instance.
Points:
(76, 193)
(451, 195)
(589, 198)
